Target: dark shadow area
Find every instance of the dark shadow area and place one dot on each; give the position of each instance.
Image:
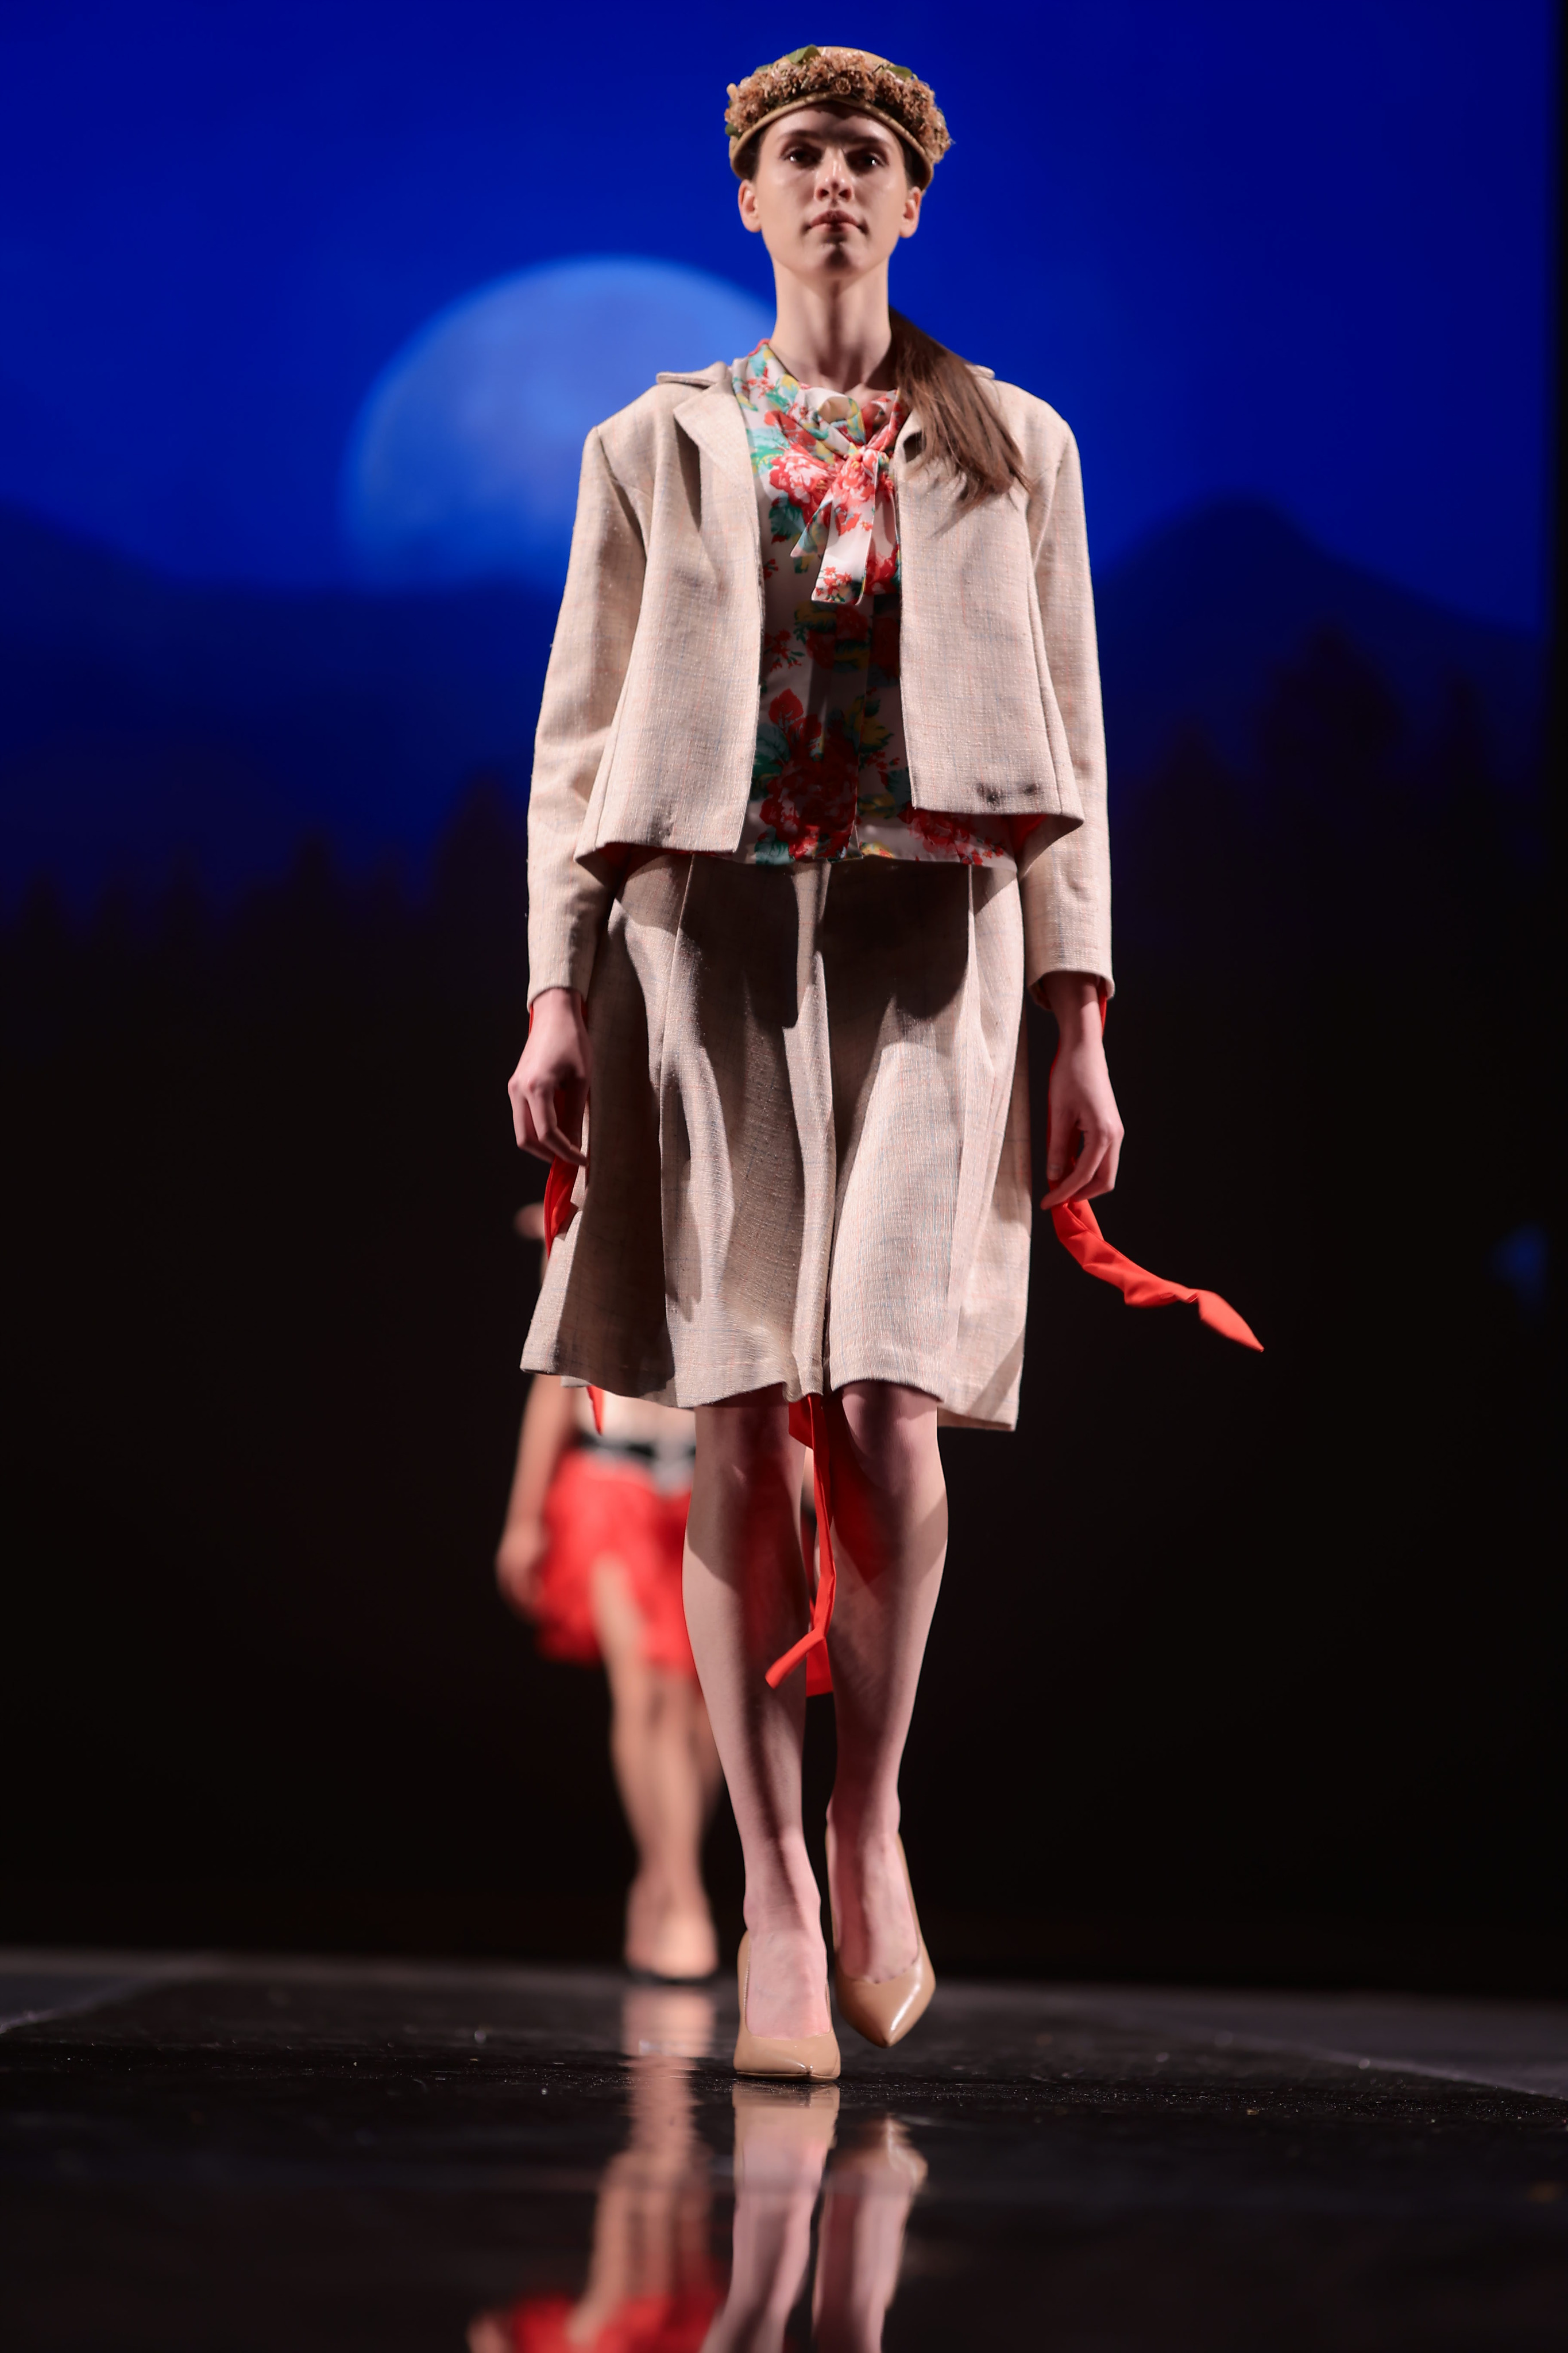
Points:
(1245, 1666)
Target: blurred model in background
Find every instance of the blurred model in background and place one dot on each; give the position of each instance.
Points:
(652, 2286)
(592, 1554)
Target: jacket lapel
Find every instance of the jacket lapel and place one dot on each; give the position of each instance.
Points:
(713, 419)
(926, 505)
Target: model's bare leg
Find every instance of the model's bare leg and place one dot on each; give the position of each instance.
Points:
(618, 1626)
(860, 2242)
(889, 1541)
(659, 1772)
(746, 1603)
(709, 1772)
(782, 2140)
(686, 1944)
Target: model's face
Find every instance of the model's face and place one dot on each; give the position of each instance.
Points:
(831, 197)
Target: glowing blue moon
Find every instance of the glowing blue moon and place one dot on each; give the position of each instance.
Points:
(463, 462)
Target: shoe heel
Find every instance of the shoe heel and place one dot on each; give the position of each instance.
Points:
(801, 2059)
(884, 2013)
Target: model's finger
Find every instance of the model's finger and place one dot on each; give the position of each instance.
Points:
(1062, 1155)
(524, 1128)
(1088, 1178)
(539, 1110)
(544, 1102)
(1105, 1180)
(556, 1144)
(1073, 1184)
(1061, 1148)
(1062, 1190)
(571, 1103)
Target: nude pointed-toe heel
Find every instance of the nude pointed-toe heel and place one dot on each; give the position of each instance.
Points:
(801, 2059)
(884, 2013)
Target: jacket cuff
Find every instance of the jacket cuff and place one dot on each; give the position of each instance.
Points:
(562, 951)
(1066, 925)
(1101, 976)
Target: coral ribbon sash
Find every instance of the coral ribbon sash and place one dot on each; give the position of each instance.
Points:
(559, 1212)
(808, 1423)
(1078, 1230)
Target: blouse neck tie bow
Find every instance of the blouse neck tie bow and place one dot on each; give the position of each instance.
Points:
(840, 486)
(853, 526)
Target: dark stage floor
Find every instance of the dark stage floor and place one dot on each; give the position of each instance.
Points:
(211, 2153)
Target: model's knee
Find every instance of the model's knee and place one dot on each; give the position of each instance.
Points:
(890, 1437)
(886, 1474)
(745, 1440)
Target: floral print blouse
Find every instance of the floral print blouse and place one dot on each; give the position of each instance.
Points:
(830, 779)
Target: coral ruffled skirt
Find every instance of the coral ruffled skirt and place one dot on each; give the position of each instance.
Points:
(679, 2323)
(597, 1511)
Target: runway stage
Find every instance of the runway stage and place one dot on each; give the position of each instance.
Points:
(212, 2154)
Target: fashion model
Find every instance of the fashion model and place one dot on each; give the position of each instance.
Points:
(820, 790)
(591, 1553)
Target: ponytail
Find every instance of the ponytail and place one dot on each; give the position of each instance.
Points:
(962, 428)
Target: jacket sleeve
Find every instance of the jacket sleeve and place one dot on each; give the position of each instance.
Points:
(1065, 882)
(568, 902)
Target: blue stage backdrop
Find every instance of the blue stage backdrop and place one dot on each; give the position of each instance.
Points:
(307, 310)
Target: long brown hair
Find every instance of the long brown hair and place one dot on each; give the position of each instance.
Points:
(963, 430)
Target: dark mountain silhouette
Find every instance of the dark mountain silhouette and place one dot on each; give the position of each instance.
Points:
(1196, 624)
(143, 720)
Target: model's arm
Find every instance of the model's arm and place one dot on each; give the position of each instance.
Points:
(548, 1419)
(567, 903)
(1065, 884)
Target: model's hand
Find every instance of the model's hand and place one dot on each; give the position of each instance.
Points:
(522, 1547)
(1083, 1127)
(549, 1088)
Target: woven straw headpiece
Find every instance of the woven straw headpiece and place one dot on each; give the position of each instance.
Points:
(843, 78)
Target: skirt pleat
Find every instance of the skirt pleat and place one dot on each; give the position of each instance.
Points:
(808, 1139)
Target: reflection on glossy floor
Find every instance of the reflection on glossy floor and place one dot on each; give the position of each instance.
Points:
(217, 2154)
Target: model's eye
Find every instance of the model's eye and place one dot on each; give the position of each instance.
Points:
(869, 159)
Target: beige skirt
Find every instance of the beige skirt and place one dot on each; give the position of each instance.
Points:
(809, 1139)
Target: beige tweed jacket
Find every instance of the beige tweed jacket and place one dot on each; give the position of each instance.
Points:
(648, 724)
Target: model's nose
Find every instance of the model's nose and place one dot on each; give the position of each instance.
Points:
(834, 178)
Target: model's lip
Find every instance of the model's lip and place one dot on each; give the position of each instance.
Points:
(833, 220)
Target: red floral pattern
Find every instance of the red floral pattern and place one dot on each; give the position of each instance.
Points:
(830, 779)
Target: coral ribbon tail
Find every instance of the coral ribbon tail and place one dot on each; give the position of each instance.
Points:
(1078, 1230)
(808, 1423)
(559, 1212)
